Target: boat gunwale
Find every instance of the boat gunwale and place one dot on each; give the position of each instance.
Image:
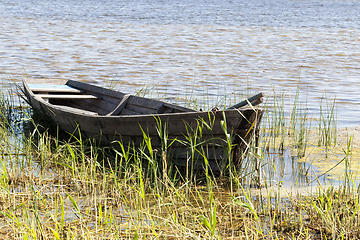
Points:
(95, 115)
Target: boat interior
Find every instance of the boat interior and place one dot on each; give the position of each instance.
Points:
(93, 100)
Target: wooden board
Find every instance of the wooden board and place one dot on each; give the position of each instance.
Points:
(120, 106)
(53, 88)
(65, 96)
(76, 110)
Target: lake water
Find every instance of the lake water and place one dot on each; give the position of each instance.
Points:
(210, 47)
(203, 48)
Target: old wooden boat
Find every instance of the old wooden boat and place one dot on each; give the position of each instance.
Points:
(113, 117)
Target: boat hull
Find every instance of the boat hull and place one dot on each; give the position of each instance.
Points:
(220, 137)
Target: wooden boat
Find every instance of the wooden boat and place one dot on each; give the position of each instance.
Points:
(112, 117)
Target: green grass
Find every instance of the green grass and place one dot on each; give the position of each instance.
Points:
(74, 189)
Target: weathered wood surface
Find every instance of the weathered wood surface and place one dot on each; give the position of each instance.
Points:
(77, 110)
(119, 107)
(134, 105)
(57, 88)
(98, 119)
(65, 96)
(254, 100)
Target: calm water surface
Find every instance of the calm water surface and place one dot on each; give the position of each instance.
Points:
(204, 48)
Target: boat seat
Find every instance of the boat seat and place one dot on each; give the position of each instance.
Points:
(77, 110)
(120, 106)
(53, 88)
(66, 96)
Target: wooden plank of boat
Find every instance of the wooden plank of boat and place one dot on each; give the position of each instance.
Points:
(134, 105)
(66, 96)
(253, 101)
(56, 88)
(120, 106)
(76, 110)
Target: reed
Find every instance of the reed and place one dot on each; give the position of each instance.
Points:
(74, 189)
(299, 125)
(327, 125)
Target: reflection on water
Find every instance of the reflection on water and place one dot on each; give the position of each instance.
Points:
(212, 48)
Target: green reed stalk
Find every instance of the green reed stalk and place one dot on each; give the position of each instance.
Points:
(348, 176)
(300, 125)
(192, 142)
(228, 144)
(149, 154)
(276, 121)
(211, 221)
(248, 205)
(293, 115)
(166, 143)
(327, 123)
